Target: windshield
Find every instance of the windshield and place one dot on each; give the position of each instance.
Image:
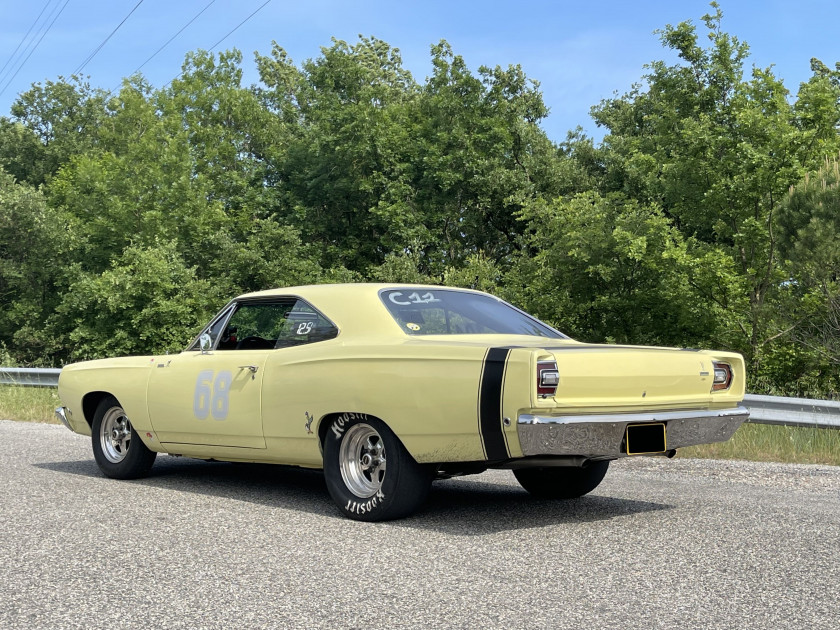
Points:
(447, 312)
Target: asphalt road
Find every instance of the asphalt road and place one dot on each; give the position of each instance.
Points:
(660, 544)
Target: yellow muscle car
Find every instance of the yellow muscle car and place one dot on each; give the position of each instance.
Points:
(387, 387)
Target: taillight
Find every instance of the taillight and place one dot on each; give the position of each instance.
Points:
(547, 378)
(723, 376)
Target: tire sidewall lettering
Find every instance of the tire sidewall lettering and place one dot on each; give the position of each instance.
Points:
(340, 424)
(361, 507)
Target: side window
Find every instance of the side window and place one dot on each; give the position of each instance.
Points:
(305, 325)
(266, 325)
(255, 325)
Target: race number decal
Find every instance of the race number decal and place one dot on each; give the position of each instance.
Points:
(304, 328)
(397, 297)
(212, 395)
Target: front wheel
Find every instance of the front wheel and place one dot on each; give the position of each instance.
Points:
(562, 482)
(117, 449)
(369, 474)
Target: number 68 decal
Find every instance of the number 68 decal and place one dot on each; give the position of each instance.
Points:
(212, 396)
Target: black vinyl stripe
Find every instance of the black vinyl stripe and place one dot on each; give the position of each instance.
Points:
(490, 404)
(502, 409)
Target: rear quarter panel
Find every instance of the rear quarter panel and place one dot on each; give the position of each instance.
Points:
(427, 394)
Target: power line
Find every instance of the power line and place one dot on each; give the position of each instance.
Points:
(23, 63)
(105, 41)
(235, 28)
(231, 32)
(24, 38)
(195, 17)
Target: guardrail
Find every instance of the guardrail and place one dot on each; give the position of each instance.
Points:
(30, 377)
(793, 412)
(790, 412)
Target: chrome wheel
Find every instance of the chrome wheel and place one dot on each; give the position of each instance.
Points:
(363, 485)
(115, 435)
(361, 458)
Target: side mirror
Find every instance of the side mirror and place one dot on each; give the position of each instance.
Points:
(206, 343)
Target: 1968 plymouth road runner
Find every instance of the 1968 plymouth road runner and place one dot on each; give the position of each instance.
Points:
(387, 387)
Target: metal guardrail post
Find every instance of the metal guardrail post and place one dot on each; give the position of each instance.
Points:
(30, 377)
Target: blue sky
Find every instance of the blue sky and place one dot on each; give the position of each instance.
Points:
(580, 52)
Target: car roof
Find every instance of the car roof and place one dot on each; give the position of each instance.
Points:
(355, 308)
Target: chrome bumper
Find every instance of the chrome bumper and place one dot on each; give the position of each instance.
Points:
(61, 414)
(602, 435)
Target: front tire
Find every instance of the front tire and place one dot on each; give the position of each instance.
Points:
(369, 474)
(118, 451)
(562, 482)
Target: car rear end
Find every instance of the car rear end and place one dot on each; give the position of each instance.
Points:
(593, 402)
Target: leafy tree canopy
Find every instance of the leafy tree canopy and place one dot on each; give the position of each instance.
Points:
(707, 216)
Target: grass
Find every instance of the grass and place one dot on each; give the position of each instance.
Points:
(753, 442)
(769, 443)
(28, 404)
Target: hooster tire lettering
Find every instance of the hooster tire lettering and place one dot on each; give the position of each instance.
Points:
(366, 506)
(338, 426)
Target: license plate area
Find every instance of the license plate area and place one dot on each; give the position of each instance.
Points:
(645, 439)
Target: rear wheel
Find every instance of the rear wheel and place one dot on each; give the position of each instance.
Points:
(117, 449)
(369, 474)
(562, 482)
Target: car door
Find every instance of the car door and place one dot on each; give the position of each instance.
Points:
(213, 395)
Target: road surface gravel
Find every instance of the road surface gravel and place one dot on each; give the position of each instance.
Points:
(660, 544)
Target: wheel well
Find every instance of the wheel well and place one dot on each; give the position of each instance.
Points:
(326, 421)
(89, 404)
(324, 424)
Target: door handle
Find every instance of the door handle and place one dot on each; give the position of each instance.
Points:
(253, 369)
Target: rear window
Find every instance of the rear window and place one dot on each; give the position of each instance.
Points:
(447, 312)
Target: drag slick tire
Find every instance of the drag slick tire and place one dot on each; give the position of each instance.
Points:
(118, 451)
(369, 474)
(562, 482)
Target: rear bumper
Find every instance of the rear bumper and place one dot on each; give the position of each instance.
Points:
(602, 435)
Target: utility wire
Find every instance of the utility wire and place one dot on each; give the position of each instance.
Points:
(23, 63)
(235, 28)
(24, 38)
(105, 41)
(195, 17)
(231, 32)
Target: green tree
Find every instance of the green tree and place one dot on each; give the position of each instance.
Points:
(809, 221)
(347, 170)
(607, 268)
(717, 152)
(137, 184)
(229, 130)
(382, 169)
(34, 241)
(50, 124)
(482, 156)
(148, 301)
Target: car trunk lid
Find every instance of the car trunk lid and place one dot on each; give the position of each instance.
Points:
(622, 376)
